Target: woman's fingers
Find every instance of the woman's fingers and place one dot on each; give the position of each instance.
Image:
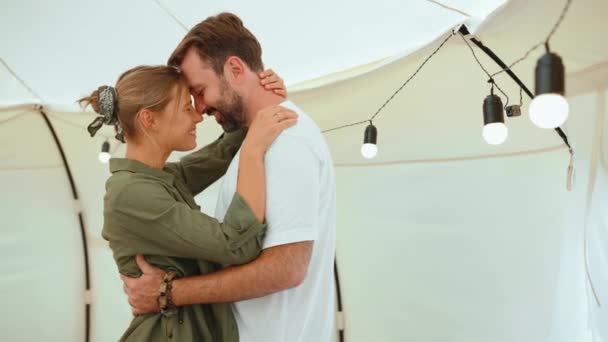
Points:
(273, 78)
(287, 123)
(266, 73)
(286, 115)
(273, 82)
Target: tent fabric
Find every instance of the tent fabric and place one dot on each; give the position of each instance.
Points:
(440, 238)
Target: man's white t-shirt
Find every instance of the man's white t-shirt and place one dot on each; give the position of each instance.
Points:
(300, 206)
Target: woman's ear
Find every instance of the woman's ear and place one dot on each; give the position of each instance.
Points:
(146, 119)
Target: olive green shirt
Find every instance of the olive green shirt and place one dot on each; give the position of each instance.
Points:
(152, 212)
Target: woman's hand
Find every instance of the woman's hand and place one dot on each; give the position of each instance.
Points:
(272, 82)
(266, 127)
(263, 130)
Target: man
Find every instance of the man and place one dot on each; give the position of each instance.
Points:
(287, 293)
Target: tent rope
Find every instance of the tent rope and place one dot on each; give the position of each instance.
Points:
(166, 10)
(23, 83)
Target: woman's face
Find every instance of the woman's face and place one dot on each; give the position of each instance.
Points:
(177, 126)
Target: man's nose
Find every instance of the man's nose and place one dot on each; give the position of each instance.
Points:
(198, 117)
(199, 105)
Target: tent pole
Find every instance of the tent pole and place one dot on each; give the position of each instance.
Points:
(80, 220)
(339, 299)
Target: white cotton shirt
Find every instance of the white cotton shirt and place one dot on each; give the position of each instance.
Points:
(300, 206)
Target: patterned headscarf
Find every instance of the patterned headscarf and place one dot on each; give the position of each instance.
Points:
(108, 112)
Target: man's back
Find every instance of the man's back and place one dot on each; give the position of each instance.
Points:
(301, 206)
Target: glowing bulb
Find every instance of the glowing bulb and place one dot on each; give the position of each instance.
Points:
(548, 110)
(104, 155)
(495, 133)
(369, 151)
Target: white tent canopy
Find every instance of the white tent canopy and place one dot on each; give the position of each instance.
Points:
(440, 238)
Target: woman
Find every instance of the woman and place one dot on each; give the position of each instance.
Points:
(149, 206)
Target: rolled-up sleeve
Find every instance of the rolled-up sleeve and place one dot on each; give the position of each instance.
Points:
(155, 223)
(200, 169)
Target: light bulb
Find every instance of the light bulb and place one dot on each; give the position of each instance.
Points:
(369, 151)
(548, 110)
(495, 133)
(104, 157)
(369, 148)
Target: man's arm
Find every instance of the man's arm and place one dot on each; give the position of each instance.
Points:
(277, 268)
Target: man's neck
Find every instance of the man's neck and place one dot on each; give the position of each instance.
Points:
(259, 99)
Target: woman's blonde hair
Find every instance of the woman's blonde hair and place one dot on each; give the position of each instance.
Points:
(142, 87)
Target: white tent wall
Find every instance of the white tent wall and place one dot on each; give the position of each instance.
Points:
(441, 238)
(414, 261)
(589, 205)
(43, 266)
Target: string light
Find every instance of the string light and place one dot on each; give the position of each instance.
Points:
(104, 155)
(494, 131)
(369, 149)
(549, 108)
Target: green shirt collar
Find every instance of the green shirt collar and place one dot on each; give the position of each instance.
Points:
(123, 164)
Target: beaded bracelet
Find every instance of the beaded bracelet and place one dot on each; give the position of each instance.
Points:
(165, 300)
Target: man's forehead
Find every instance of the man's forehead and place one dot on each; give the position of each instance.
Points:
(193, 60)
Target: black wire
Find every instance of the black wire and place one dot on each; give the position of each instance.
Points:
(411, 77)
(475, 56)
(396, 92)
(491, 79)
(546, 42)
(349, 125)
(559, 21)
(490, 76)
(520, 59)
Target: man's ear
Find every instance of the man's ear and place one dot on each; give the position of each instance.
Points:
(235, 69)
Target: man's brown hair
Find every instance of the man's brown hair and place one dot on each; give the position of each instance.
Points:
(217, 38)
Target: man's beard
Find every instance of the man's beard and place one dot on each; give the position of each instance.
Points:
(230, 107)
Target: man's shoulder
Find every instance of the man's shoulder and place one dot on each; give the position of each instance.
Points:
(295, 142)
(305, 132)
(306, 125)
